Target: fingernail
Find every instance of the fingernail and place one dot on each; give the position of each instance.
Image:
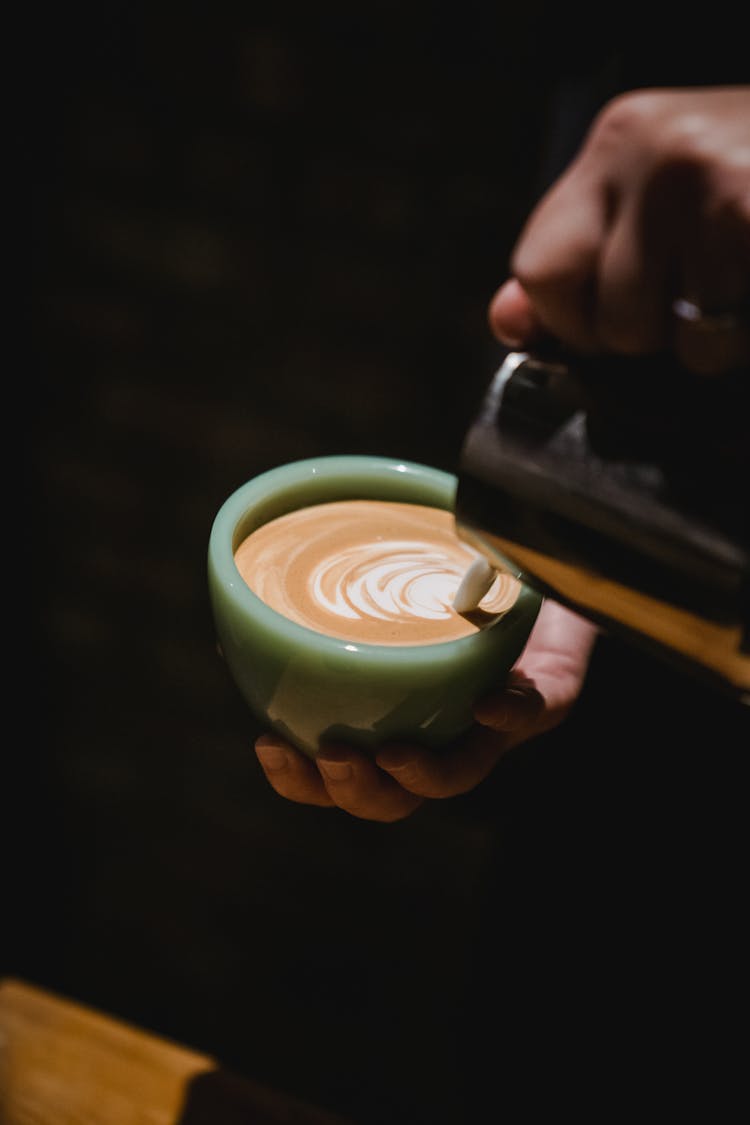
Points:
(273, 758)
(335, 771)
(392, 766)
(494, 716)
(404, 770)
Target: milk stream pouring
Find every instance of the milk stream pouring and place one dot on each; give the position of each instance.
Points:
(619, 487)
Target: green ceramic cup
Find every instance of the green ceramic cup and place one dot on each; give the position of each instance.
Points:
(310, 687)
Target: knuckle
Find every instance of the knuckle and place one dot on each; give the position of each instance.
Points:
(625, 116)
(675, 134)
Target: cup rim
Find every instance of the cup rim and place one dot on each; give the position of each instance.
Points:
(354, 472)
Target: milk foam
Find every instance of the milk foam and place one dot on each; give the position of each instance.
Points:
(369, 570)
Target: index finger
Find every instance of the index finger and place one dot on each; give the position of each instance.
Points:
(556, 258)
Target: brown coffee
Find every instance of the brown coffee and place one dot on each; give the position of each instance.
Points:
(373, 571)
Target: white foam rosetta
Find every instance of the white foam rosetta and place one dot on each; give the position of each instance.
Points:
(372, 571)
(388, 580)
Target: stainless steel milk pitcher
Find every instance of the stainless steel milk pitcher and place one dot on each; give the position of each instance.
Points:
(619, 487)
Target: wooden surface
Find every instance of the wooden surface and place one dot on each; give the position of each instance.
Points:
(62, 1063)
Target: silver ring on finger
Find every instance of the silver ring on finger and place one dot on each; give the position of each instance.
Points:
(690, 315)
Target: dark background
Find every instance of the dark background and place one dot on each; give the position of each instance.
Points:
(256, 238)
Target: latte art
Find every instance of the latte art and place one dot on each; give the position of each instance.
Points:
(387, 581)
(373, 571)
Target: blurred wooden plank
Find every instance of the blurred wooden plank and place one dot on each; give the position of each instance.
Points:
(62, 1063)
(66, 1063)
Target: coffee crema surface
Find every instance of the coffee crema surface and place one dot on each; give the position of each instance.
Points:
(374, 571)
